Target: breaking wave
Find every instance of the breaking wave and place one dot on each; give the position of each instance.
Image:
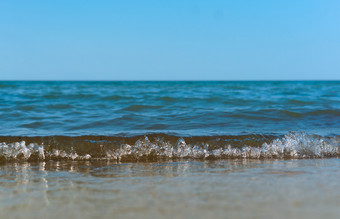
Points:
(166, 147)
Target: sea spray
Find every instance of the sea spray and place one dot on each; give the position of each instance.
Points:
(290, 146)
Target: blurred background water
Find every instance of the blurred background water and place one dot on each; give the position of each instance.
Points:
(182, 108)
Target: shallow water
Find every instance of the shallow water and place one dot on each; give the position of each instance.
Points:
(184, 189)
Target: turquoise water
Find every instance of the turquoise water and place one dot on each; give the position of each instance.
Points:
(130, 121)
(179, 108)
(170, 149)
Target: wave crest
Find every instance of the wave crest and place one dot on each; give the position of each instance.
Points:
(290, 146)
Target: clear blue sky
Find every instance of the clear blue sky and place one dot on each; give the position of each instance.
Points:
(169, 40)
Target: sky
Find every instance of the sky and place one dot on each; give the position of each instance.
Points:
(170, 40)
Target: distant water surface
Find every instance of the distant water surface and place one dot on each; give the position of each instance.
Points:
(178, 108)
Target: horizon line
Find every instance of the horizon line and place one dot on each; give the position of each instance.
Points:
(239, 80)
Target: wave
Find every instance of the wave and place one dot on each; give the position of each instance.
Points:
(167, 147)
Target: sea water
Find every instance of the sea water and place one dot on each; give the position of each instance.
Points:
(170, 149)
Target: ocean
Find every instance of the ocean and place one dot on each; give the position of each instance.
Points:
(169, 149)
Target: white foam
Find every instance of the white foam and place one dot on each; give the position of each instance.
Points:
(292, 145)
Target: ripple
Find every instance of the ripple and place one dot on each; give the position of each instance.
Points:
(138, 108)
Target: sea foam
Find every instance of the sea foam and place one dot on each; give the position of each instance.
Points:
(290, 146)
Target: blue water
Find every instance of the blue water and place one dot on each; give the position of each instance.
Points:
(178, 108)
(169, 149)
